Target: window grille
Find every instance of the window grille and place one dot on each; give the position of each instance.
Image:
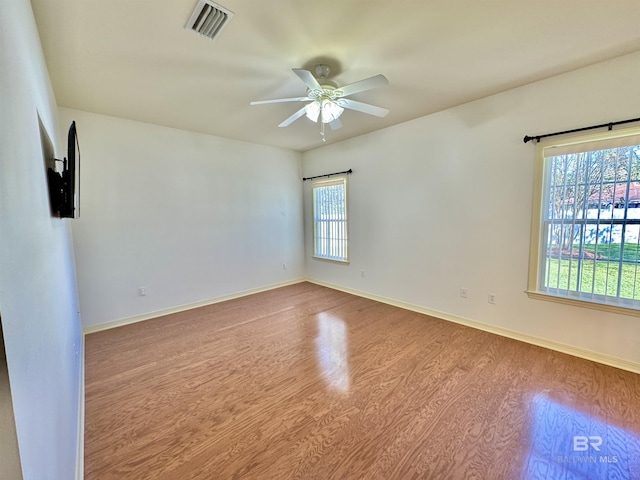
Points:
(330, 236)
(589, 233)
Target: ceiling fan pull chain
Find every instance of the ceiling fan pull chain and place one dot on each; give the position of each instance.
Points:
(321, 117)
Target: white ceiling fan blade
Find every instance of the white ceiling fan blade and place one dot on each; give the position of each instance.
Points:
(307, 77)
(294, 117)
(279, 100)
(363, 107)
(366, 84)
(335, 124)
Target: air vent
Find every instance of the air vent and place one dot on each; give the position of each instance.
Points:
(209, 19)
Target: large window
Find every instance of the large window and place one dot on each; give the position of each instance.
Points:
(586, 228)
(330, 239)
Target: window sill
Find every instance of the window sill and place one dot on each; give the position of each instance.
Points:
(605, 307)
(331, 260)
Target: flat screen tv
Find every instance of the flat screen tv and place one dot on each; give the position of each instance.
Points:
(64, 187)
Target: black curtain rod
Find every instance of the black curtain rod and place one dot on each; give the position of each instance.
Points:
(609, 125)
(348, 172)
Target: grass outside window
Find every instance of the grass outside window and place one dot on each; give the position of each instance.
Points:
(585, 246)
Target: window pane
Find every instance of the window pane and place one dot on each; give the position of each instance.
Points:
(591, 223)
(330, 220)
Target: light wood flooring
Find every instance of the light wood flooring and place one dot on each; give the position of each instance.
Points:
(306, 382)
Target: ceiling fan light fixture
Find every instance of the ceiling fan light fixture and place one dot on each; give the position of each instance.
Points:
(330, 111)
(313, 111)
(324, 110)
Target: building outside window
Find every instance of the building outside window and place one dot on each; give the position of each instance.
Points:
(585, 244)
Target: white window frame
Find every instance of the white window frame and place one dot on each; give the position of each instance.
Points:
(331, 235)
(539, 235)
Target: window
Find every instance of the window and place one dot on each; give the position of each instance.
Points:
(586, 227)
(330, 240)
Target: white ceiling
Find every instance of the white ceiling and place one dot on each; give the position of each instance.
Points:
(134, 59)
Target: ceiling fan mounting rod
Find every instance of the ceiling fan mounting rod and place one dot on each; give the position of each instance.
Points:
(322, 70)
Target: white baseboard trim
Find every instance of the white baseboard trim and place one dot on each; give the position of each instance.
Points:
(181, 308)
(523, 337)
(80, 449)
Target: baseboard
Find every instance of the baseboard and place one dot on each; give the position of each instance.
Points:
(181, 308)
(80, 449)
(523, 337)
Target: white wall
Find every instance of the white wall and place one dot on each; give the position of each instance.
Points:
(444, 202)
(38, 297)
(188, 216)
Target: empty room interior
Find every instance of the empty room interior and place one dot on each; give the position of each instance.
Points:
(337, 240)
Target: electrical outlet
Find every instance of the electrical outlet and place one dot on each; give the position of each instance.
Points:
(464, 293)
(142, 291)
(362, 273)
(284, 266)
(491, 298)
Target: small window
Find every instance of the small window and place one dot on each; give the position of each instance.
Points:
(586, 227)
(330, 238)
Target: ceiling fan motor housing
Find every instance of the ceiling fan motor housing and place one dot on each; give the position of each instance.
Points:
(329, 91)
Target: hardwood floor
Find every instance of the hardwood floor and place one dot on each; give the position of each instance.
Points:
(310, 383)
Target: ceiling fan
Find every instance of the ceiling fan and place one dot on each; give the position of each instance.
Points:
(326, 101)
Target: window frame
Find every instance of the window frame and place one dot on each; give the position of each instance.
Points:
(538, 243)
(319, 183)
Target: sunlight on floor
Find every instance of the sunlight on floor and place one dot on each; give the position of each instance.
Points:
(332, 352)
(568, 443)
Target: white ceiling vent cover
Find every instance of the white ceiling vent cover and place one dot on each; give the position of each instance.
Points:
(209, 19)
